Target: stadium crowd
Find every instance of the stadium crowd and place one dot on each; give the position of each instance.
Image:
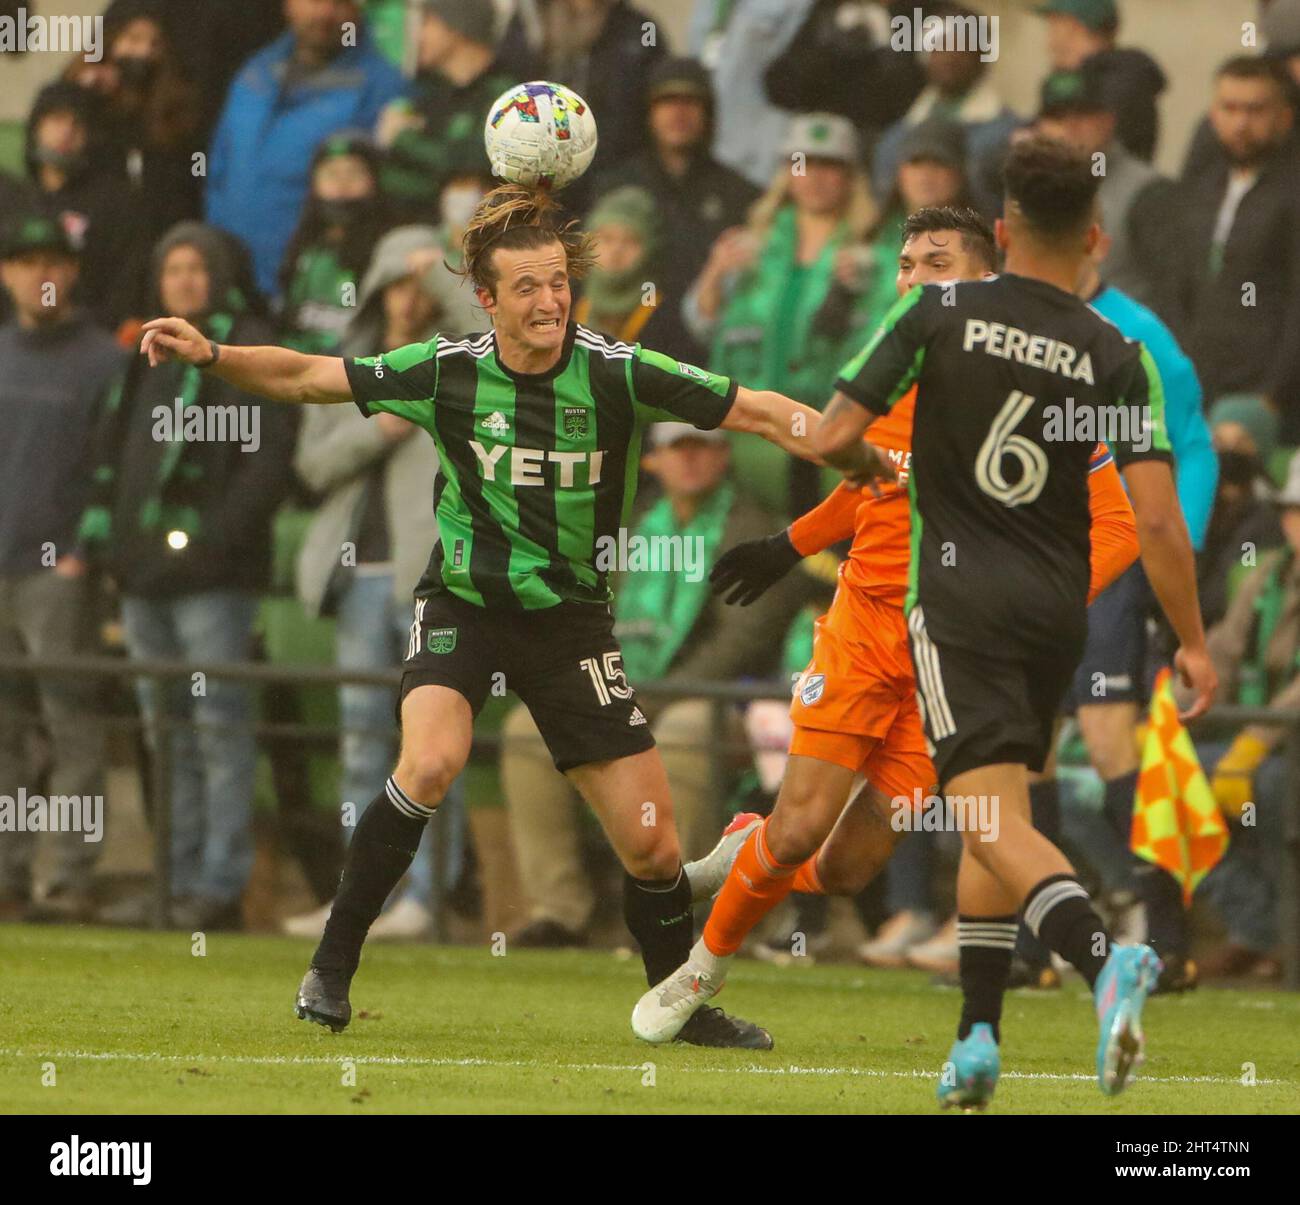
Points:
(273, 181)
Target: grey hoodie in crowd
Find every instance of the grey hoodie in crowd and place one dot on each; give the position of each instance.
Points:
(344, 456)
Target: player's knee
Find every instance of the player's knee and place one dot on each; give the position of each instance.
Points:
(657, 862)
(427, 774)
(792, 838)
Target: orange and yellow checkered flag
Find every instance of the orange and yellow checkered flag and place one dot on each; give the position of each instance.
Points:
(1176, 823)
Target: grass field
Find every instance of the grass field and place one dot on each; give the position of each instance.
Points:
(134, 1022)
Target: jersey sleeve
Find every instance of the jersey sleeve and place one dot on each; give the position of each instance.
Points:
(832, 520)
(1139, 389)
(666, 390)
(887, 367)
(402, 382)
(1113, 533)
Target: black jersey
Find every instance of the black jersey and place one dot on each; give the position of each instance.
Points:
(1016, 381)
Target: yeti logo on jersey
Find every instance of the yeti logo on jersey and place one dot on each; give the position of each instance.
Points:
(442, 640)
(576, 421)
(814, 686)
(495, 422)
(526, 465)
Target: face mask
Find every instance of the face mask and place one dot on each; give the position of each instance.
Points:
(458, 206)
(70, 162)
(342, 213)
(1238, 468)
(136, 71)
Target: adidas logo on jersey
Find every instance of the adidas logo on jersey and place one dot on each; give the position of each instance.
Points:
(495, 422)
(636, 718)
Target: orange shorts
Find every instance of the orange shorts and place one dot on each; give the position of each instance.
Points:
(855, 705)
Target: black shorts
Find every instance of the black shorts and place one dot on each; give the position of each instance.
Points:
(982, 709)
(563, 663)
(1113, 668)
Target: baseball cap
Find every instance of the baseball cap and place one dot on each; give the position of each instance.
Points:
(1077, 91)
(34, 233)
(679, 77)
(472, 19)
(822, 136)
(664, 435)
(937, 139)
(1095, 14)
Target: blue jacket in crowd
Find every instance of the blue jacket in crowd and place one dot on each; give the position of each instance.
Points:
(273, 121)
(1196, 464)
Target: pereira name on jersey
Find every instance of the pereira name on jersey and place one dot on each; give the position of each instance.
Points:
(536, 469)
(1000, 522)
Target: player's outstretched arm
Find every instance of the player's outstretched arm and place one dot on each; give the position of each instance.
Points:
(271, 372)
(1171, 569)
(775, 418)
(839, 442)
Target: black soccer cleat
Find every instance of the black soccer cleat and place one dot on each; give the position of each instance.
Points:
(1177, 975)
(323, 998)
(712, 1027)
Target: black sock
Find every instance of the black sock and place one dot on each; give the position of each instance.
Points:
(1045, 806)
(658, 914)
(1166, 917)
(1118, 803)
(985, 944)
(381, 851)
(1060, 914)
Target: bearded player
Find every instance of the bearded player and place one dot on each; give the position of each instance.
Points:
(855, 709)
(538, 424)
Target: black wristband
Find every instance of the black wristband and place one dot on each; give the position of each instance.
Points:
(215, 348)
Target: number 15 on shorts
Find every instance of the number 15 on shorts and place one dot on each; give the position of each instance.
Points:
(607, 677)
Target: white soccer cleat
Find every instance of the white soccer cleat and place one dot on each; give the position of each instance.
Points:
(660, 1014)
(707, 874)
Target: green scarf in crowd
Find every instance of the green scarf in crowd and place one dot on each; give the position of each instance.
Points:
(657, 609)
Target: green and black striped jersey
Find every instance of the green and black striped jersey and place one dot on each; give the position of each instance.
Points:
(538, 470)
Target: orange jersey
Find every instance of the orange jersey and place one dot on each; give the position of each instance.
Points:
(881, 527)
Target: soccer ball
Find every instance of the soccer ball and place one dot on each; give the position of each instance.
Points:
(540, 134)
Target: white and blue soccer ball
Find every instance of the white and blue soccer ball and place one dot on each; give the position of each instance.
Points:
(540, 134)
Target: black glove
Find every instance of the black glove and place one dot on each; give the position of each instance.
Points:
(751, 568)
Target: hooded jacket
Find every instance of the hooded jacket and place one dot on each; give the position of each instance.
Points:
(347, 459)
(148, 484)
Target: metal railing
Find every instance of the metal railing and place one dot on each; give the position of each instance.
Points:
(1223, 719)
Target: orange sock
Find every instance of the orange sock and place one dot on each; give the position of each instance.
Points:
(806, 879)
(756, 884)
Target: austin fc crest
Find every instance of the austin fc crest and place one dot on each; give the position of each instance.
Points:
(576, 421)
(442, 640)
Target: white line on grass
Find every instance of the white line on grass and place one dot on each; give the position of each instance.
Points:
(401, 1060)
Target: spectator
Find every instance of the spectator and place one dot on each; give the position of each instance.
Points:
(736, 42)
(460, 312)
(1083, 34)
(695, 196)
(622, 296)
(841, 61)
(341, 223)
(931, 172)
(600, 49)
(92, 204)
(1240, 293)
(188, 473)
(439, 131)
(286, 100)
(57, 365)
(1280, 25)
(761, 301)
(958, 89)
(146, 117)
(1136, 201)
(1244, 521)
(671, 629)
(368, 543)
(1256, 648)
